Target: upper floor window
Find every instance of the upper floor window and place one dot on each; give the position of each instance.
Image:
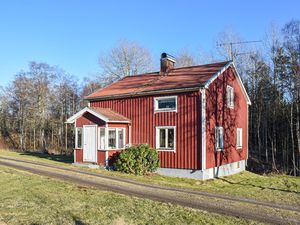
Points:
(219, 132)
(239, 138)
(165, 104)
(166, 138)
(230, 96)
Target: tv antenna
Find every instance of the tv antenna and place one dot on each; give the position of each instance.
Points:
(230, 44)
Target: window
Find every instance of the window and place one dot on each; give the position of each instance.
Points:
(230, 96)
(112, 140)
(116, 138)
(165, 104)
(219, 132)
(78, 138)
(166, 138)
(121, 137)
(101, 138)
(239, 138)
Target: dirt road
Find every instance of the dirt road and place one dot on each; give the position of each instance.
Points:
(217, 203)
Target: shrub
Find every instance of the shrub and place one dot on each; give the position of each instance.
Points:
(139, 160)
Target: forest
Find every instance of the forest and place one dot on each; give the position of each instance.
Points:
(36, 103)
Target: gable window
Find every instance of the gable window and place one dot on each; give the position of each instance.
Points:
(219, 132)
(230, 96)
(101, 138)
(165, 104)
(78, 138)
(166, 138)
(239, 138)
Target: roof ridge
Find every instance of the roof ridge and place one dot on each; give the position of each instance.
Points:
(155, 73)
(200, 65)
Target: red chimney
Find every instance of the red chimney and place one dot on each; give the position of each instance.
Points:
(166, 63)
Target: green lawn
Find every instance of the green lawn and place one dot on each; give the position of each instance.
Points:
(273, 188)
(32, 199)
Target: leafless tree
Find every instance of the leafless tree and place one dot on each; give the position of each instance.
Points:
(126, 59)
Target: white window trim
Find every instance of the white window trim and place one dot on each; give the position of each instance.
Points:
(241, 138)
(230, 104)
(76, 138)
(99, 138)
(218, 149)
(157, 139)
(155, 104)
(117, 137)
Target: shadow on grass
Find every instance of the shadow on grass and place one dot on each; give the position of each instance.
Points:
(257, 186)
(58, 158)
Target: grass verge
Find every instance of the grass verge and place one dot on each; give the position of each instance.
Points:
(31, 199)
(272, 188)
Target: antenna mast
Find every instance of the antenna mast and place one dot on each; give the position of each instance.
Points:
(236, 43)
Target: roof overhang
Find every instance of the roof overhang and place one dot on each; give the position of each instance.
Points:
(73, 118)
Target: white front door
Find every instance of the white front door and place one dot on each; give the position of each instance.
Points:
(90, 143)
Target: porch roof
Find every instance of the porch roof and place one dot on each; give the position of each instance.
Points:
(105, 114)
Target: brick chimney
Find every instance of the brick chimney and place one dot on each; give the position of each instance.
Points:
(166, 63)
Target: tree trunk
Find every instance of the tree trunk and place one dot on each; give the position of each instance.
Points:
(292, 141)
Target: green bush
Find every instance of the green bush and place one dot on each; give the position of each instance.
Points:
(139, 160)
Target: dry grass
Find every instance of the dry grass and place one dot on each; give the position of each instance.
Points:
(31, 199)
(273, 188)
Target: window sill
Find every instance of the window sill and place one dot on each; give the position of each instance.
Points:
(166, 150)
(239, 148)
(220, 150)
(164, 110)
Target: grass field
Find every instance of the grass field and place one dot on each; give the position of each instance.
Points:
(31, 199)
(273, 188)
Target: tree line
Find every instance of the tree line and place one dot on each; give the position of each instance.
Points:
(36, 104)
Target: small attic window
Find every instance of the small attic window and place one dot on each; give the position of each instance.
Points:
(230, 96)
(165, 104)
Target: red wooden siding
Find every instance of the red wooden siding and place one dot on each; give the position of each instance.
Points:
(101, 157)
(79, 155)
(218, 114)
(144, 121)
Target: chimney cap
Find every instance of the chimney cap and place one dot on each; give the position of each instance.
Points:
(168, 56)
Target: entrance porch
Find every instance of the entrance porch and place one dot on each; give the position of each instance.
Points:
(99, 134)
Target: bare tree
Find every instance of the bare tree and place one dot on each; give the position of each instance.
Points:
(126, 59)
(185, 58)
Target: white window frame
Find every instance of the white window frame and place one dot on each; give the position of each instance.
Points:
(99, 138)
(230, 96)
(239, 138)
(76, 137)
(158, 148)
(156, 99)
(117, 133)
(117, 137)
(221, 131)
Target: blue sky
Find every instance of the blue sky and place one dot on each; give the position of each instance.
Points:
(72, 33)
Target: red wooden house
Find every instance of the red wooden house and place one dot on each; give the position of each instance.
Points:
(196, 117)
